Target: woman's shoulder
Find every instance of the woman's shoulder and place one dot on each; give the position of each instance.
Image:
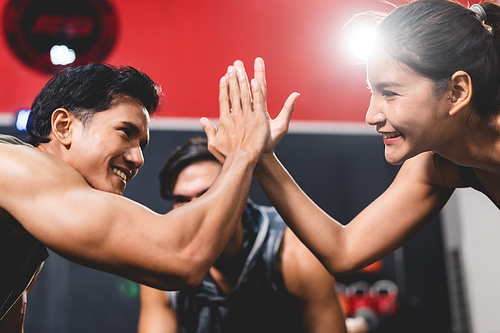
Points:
(434, 169)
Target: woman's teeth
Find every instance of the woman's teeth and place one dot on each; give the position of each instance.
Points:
(391, 135)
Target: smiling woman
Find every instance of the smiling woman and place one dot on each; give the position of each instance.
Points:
(403, 108)
(435, 76)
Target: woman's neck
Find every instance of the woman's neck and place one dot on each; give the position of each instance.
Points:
(477, 146)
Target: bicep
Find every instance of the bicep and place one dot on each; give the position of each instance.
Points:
(53, 202)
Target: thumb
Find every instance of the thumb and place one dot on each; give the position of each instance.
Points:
(209, 128)
(285, 115)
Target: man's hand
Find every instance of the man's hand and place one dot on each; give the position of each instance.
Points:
(242, 118)
(242, 127)
(278, 127)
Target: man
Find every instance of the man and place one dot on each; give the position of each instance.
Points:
(87, 129)
(265, 280)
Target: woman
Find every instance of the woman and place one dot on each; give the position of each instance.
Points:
(435, 80)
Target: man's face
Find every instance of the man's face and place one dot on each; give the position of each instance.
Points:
(107, 151)
(193, 181)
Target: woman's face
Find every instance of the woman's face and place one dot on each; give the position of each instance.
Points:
(403, 107)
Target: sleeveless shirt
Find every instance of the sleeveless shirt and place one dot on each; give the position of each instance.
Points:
(259, 301)
(21, 255)
(469, 177)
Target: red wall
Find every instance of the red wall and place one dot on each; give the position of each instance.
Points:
(186, 47)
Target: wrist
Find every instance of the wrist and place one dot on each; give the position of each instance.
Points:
(265, 163)
(243, 158)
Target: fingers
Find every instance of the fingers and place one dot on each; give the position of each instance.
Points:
(238, 95)
(224, 102)
(259, 100)
(260, 74)
(241, 93)
(246, 96)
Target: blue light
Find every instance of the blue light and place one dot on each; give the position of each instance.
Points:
(22, 119)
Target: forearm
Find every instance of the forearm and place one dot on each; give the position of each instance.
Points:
(208, 223)
(156, 315)
(399, 213)
(114, 234)
(183, 244)
(324, 236)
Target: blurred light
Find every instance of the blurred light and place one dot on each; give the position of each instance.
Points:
(61, 55)
(128, 289)
(22, 119)
(362, 41)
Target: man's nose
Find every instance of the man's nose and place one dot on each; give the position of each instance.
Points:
(135, 158)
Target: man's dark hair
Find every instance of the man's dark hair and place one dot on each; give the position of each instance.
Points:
(86, 90)
(194, 150)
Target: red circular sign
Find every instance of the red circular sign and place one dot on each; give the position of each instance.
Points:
(85, 29)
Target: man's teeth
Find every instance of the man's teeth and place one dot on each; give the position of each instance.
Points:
(390, 135)
(120, 173)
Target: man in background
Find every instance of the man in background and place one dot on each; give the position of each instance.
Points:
(265, 280)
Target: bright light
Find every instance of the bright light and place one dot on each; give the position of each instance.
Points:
(22, 119)
(61, 55)
(362, 41)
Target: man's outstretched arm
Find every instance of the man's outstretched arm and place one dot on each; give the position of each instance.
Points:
(114, 234)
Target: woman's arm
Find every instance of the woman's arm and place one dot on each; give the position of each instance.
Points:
(411, 201)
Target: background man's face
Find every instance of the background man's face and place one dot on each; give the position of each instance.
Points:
(193, 181)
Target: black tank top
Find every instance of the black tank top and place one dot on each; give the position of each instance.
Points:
(469, 177)
(21, 255)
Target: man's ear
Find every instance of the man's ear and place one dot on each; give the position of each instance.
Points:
(459, 91)
(62, 122)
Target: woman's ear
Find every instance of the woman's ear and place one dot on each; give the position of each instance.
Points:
(62, 122)
(460, 91)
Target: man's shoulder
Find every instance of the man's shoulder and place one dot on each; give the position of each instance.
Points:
(9, 139)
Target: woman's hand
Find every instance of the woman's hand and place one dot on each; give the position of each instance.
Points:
(241, 115)
(278, 126)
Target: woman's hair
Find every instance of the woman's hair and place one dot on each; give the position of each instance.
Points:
(86, 90)
(437, 38)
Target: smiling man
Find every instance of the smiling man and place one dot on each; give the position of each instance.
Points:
(63, 189)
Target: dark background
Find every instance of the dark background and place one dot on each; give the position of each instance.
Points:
(341, 173)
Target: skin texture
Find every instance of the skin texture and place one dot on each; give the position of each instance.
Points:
(67, 194)
(303, 275)
(404, 104)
